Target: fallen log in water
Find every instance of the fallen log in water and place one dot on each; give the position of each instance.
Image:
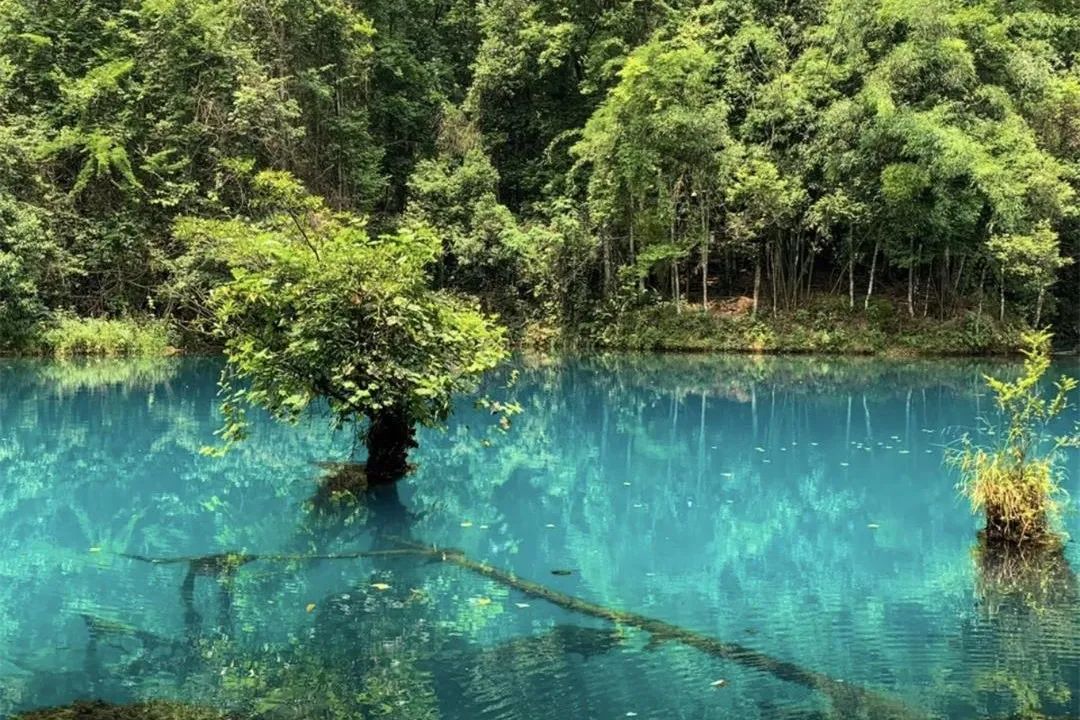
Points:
(208, 564)
(849, 701)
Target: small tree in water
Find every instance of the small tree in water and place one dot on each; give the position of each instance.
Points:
(1016, 484)
(316, 308)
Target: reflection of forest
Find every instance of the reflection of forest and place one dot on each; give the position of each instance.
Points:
(731, 495)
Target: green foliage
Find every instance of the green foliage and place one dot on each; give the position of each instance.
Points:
(1029, 263)
(822, 324)
(70, 336)
(572, 157)
(1017, 483)
(318, 309)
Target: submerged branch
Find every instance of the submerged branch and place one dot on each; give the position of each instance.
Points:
(849, 701)
(214, 563)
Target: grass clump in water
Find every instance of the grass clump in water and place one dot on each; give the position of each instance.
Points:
(72, 336)
(1016, 484)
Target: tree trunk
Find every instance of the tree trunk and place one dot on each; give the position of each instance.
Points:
(1001, 311)
(911, 280)
(675, 286)
(873, 268)
(978, 315)
(705, 240)
(705, 275)
(757, 284)
(851, 272)
(1039, 306)
(607, 265)
(389, 438)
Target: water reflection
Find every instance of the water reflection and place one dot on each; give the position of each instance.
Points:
(794, 506)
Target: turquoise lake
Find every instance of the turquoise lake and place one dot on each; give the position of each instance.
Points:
(797, 509)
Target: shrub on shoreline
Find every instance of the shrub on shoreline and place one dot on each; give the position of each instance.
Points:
(73, 336)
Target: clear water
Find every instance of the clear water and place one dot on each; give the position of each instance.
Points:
(797, 508)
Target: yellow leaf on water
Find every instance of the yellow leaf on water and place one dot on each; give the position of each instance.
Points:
(466, 523)
(482, 600)
(95, 549)
(873, 526)
(380, 586)
(310, 607)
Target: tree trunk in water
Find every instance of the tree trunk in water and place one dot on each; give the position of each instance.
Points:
(873, 268)
(389, 438)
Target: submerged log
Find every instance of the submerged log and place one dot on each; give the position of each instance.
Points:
(848, 700)
(227, 562)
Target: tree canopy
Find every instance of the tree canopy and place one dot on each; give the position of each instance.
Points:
(575, 159)
(315, 308)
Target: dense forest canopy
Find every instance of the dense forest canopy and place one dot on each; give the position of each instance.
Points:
(574, 159)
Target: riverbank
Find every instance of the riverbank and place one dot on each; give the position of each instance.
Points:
(826, 326)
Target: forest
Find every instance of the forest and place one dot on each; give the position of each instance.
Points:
(842, 175)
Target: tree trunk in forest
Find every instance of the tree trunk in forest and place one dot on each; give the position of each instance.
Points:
(1001, 311)
(1039, 306)
(390, 437)
(851, 273)
(926, 292)
(757, 284)
(911, 280)
(706, 239)
(607, 264)
(873, 268)
(705, 275)
(774, 272)
(633, 248)
(675, 286)
(978, 315)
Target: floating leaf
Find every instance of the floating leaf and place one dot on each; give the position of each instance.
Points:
(95, 549)
(466, 523)
(482, 601)
(380, 586)
(873, 526)
(310, 607)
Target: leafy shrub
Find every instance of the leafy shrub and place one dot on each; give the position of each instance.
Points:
(1016, 483)
(98, 336)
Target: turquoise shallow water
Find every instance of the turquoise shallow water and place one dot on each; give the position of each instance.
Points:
(798, 508)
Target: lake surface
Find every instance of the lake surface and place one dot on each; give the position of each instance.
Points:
(789, 509)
